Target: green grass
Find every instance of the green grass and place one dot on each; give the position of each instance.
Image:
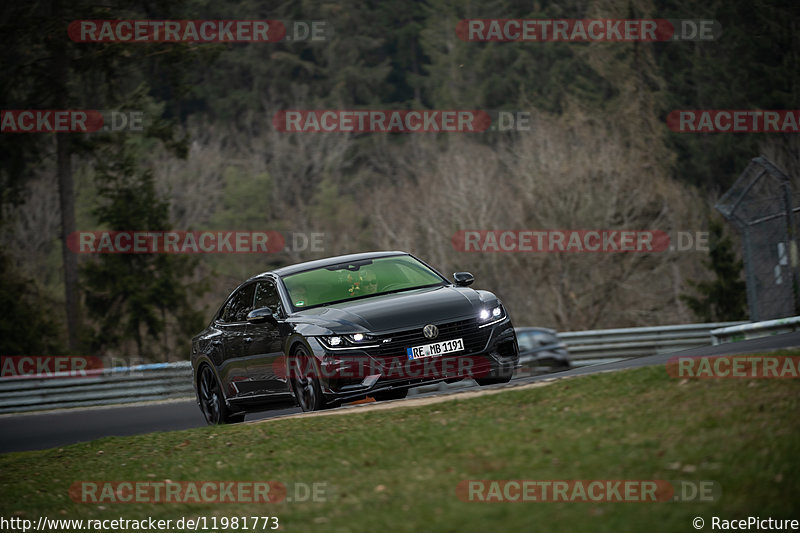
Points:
(397, 469)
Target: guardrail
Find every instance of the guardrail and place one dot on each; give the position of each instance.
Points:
(638, 342)
(755, 330)
(174, 380)
(108, 387)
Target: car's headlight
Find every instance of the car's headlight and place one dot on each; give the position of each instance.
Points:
(341, 342)
(333, 341)
(357, 338)
(493, 314)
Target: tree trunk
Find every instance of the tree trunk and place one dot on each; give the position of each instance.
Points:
(66, 193)
(67, 202)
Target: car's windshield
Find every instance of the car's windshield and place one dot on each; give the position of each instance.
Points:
(346, 281)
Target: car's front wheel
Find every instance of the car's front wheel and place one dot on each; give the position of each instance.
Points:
(212, 401)
(305, 384)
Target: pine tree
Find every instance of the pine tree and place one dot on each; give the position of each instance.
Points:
(131, 296)
(724, 298)
(27, 328)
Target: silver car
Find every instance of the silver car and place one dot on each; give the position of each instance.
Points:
(540, 350)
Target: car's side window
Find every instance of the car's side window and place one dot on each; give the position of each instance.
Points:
(548, 339)
(543, 339)
(525, 341)
(239, 305)
(267, 296)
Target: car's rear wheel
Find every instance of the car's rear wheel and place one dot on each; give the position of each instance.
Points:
(212, 401)
(395, 394)
(305, 383)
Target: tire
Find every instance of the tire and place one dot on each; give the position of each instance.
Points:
(306, 389)
(212, 401)
(394, 394)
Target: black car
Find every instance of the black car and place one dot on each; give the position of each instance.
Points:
(541, 350)
(340, 329)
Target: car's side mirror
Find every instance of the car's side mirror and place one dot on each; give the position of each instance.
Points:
(463, 279)
(261, 315)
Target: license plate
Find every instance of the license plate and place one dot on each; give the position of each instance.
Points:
(436, 349)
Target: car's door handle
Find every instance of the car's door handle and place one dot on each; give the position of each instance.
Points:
(248, 339)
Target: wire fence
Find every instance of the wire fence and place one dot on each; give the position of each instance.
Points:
(762, 207)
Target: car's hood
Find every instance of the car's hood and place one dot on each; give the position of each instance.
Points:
(400, 311)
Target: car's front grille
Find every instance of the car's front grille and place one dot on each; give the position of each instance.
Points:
(395, 344)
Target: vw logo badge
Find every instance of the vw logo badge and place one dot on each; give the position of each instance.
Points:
(430, 331)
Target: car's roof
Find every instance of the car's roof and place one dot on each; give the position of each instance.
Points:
(321, 263)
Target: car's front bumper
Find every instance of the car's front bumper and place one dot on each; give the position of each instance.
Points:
(491, 352)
